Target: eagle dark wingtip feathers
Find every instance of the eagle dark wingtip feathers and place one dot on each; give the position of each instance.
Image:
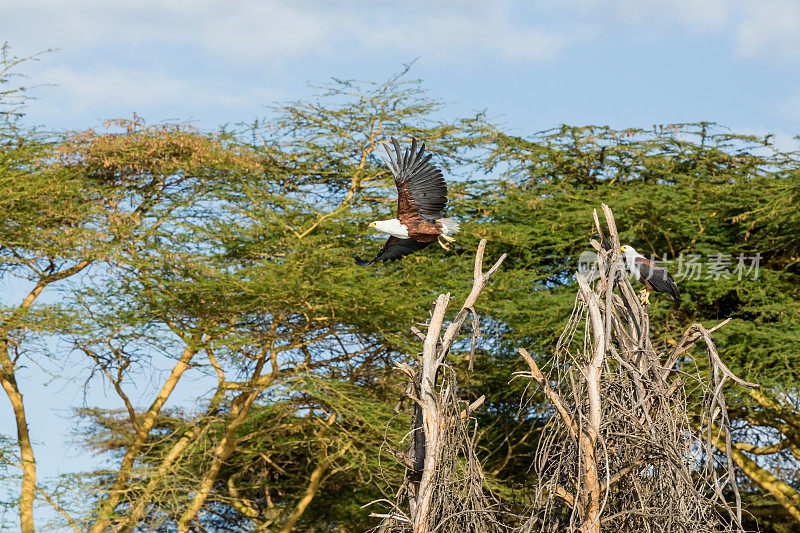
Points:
(362, 262)
(399, 159)
(675, 294)
(672, 288)
(412, 153)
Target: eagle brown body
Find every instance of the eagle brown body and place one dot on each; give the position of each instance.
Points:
(422, 230)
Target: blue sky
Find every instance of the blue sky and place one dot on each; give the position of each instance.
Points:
(531, 65)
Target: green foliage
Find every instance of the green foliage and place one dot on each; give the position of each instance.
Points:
(678, 190)
(690, 189)
(281, 444)
(229, 254)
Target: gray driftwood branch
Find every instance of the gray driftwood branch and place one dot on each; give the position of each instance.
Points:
(624, 451)
(440, 438)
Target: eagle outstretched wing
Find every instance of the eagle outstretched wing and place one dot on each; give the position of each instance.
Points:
(421, 189)
(394, 249)
(657, 277)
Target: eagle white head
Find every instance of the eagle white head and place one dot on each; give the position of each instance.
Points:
(393, 227)
(629, 252)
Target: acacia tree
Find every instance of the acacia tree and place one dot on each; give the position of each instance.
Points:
(50, 234)
(531, 211)
(72, 211)
(686, 189)
(250, 278)
(229, 255)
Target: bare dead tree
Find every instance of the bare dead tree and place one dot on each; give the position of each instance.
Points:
(625, 449)
(443, 489)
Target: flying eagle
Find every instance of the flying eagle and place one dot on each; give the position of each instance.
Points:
(655, 278)
(421, 200)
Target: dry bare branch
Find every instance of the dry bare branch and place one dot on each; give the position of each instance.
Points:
(443, 489)
(626, 451)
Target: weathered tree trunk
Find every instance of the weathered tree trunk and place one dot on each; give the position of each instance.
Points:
(438, 428)
(432, 423)
(591, 482)
(28, 489)
(11, 387)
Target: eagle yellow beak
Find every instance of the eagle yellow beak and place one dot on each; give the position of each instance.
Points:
(371, 224)
(622, 249)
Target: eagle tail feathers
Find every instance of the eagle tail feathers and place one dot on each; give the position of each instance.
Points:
(449, 226)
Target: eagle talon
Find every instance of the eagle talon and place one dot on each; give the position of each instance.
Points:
(448, 238)
(443, 244)
(644, 297)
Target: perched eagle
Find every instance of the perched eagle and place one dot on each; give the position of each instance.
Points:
(421, 200)
(655, 278)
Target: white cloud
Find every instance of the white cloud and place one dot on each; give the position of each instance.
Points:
(771, 29)
(115, 92)
(250, 28)
(701, 15)
(696, 15)
(763, 29)
(275, 31)
(132, 54)
(454, 30)
(211, 53)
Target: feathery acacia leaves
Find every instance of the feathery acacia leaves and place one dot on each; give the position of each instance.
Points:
(225, 258)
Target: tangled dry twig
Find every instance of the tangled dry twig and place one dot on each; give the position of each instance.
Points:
(443, 490)
(625, 451)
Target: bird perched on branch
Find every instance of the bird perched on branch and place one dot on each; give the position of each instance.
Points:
(655, 278)
(421, 201)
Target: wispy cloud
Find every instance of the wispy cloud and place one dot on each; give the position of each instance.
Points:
(138, 53)
(694, 15)
(450, 30)
(770, 29)
(121, 91)
(276, 31)
(764, 29)
(180, 53)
